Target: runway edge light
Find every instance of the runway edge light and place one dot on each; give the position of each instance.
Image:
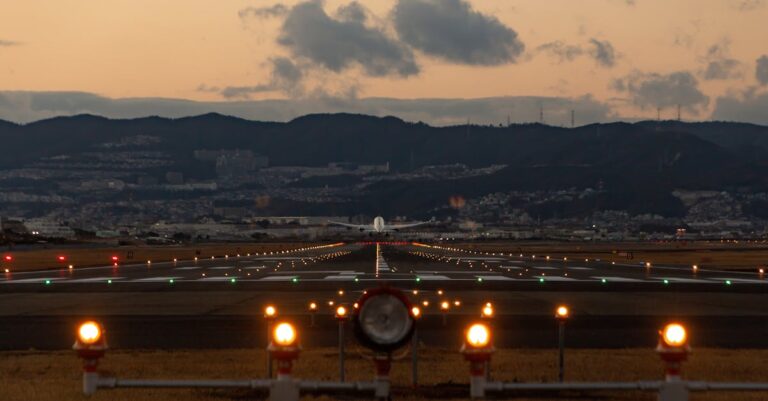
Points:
(477, 349)
(90, 346)
(673, 348)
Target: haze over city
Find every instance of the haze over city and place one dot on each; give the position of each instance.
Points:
(605, 59)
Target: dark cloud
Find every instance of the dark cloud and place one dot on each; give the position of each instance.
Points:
(663, 90)
(277, 10)
(561, 51)
(602, 51)
(339, 43)
(454, 31)
(747, 5)
(31, 106)
(8, 43)
(352, 12)
(761, 70)
(719, 65)
(749, 106)
(286, 77)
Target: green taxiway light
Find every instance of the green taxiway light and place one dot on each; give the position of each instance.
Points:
(109, 281)
(295, 280)
(666, 281)
(541, 279)
(47, 282)
(232, 280)
(727, 282)
(479, 279)
(418, 279)
(170, 281)
(603, 281)
(357, 279)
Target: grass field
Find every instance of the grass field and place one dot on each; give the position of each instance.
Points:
(55, 376)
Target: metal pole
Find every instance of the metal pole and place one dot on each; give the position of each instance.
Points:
(312, 319)
(561, 344)
(415, 357)
(269, 357)
(341, 350)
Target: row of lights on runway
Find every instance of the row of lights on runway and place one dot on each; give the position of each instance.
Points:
(439, 257)
(114, 259)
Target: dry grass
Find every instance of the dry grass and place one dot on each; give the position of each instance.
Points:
(79, 257)
(56, 376)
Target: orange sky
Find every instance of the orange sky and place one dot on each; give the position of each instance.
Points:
(164, 48)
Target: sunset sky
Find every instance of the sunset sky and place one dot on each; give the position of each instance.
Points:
(605, 59)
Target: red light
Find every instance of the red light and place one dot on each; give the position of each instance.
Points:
(61, 258)
(114, 258)
(8, 258)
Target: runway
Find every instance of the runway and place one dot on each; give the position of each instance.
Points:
(401, 265)
(218, 302)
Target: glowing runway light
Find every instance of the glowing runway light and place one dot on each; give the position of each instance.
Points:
(478, 335)
(487, 311)
(416, 312)
(89, 333)
(284, 334)
(562, 312)
(674, 335)
(270, 311)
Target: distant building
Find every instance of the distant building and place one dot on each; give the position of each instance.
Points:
(174, 178)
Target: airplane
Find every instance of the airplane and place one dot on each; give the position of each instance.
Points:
(379, 226)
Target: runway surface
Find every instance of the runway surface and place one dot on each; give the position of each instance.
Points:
(218, 302)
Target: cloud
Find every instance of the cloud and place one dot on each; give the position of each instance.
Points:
(286, 77)
(8, 43)
(561, 51)
(748, 106)
(746, 5)
(31, 106)
(663, 90)
(719, 65)
(454, 31)
(602, 51)
(761, 70)
(277, 10)
(337, 44)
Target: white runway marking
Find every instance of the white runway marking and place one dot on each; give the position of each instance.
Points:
(496, 278)
(154, 279)
(681, 280)
(740, 280)
(188, 268)
(579, 268)
(619, 279)
(433, 277)
(221, 267)
(340, 278)
(544, 268)
(95, 279)
(255, 267)
(35, 280)
(277, 278)
(556, 278)
(510, 267)
(216, 278)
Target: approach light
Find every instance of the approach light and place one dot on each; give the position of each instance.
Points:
(674, 335)
(341, 312)
(562, 312)
(416, 312)
(384, 321)
(89, 333)
(312, 306)
(457, 303)
(270, 312)
(487, 311)
(284, 334)
(478, 336)
(445, 305)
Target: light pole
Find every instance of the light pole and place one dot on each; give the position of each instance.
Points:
(341, 316)
(416, 313)
(270, 314)
(561, 315)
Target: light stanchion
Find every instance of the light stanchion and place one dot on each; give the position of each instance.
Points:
(444, 307)
(284, 348)
(487, 314)
(312, 313)
(416, 314)
(90, 345)
(561, 315)
(270, 314)
(477, 350)
(673, 348)
(342, 316)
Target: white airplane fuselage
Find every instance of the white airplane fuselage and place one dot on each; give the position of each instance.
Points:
(378, 224)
